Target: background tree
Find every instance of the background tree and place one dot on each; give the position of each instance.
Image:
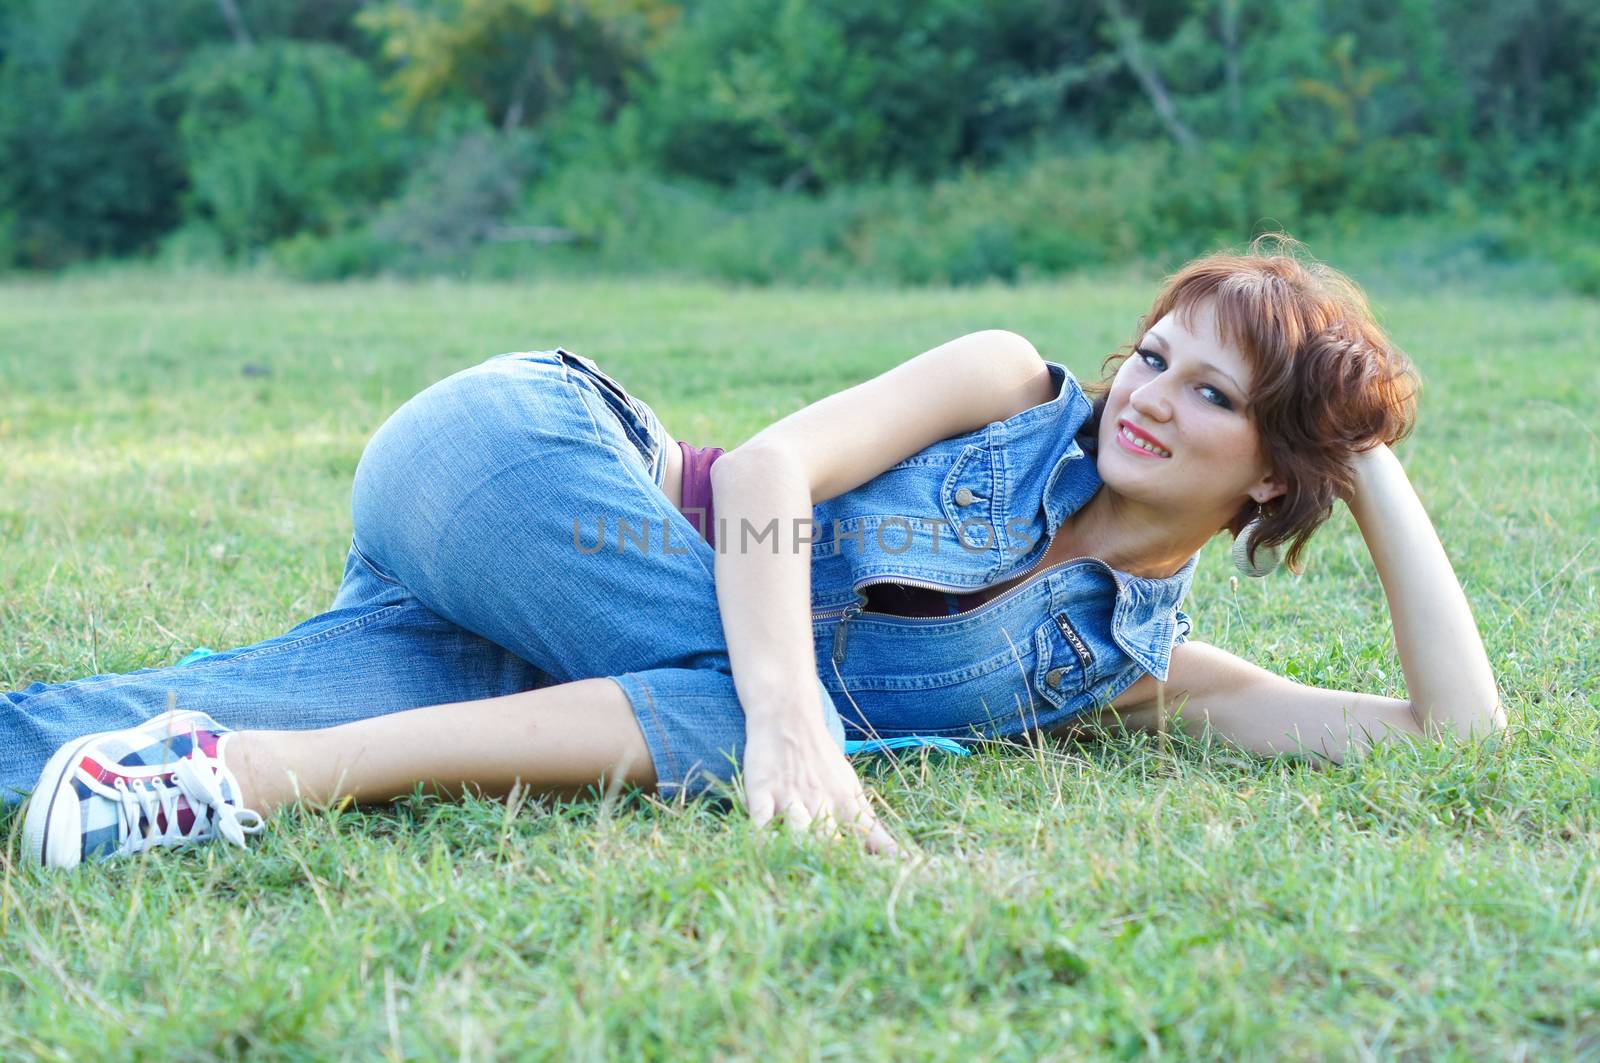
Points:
(89, 157)
(518, 59)
(929, 139)
(284, 137)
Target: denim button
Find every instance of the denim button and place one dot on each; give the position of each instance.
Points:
(1054, 676)
(964, 496)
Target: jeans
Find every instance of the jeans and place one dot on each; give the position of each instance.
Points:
(473, 573)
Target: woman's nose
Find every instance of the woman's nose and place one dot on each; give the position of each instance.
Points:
(1152, 400)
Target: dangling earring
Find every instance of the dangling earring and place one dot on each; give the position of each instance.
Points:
(1267, 557)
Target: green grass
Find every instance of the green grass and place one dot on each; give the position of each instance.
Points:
(1114, 899)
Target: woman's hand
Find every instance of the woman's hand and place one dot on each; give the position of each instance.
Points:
(795, 771)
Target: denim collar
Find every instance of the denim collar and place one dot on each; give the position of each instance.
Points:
(1074, 479)
(1145, 621)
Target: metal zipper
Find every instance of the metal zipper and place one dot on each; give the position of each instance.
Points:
(858, 606)
(839, 632)
(840, 639)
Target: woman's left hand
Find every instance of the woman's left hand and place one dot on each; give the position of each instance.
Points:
(793, 770)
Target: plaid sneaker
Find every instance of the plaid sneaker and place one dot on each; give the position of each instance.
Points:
(120, 792)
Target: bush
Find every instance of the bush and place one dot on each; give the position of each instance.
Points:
(356, 253)
(631, 218)
(460, 193)
(1039, 215)
(458, 196)
(193, 245)
(1054, 213)
(813, 92)
(285, 138)
(1580, 268)
(87, 133)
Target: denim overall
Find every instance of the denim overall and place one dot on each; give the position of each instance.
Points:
(964, 513)
(477, 567)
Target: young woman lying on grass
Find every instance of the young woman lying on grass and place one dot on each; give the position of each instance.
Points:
(986, 550)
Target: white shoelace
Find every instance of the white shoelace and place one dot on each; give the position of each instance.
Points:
(151, 798)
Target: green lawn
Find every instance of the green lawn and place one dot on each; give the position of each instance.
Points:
(175, 460)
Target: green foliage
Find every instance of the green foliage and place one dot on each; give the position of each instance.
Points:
(813, 91)
(1580, 267)
(348, 253)
(768, 139)
(1030, 217)
(458, 197)
(518, 59)
(1059, 213)
(329, 21)
(89, 157)
(284, 138)
(816, 93)
(460, 193)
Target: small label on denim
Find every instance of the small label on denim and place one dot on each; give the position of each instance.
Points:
(1075, 640)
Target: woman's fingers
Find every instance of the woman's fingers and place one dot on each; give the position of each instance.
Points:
(762, 807)
(834, 819)
(872, 833)
(797, 817)
(808, 789)
(880, 841)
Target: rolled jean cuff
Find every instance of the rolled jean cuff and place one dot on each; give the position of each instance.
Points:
(695, 727)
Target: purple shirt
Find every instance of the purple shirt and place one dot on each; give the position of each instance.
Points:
(697, 462)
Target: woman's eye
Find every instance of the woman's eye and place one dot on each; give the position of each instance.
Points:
(1207, 392)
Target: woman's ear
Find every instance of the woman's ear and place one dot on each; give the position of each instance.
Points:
(1267, 488)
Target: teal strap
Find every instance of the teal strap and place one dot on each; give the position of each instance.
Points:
(194, 655)
(884, 745)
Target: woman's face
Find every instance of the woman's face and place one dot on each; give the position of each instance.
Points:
(1177, 431)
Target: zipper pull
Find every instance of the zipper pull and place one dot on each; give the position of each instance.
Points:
(839, 637)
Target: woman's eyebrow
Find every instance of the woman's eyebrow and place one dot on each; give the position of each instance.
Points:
(1220, 372)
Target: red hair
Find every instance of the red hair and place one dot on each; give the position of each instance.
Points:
(1327, 380)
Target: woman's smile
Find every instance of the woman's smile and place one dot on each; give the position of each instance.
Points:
(1137, 441)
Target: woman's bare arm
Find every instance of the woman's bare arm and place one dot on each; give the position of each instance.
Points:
(1447, 672)
(791, 765)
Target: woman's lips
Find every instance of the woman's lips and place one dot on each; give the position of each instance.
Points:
(1138, 442)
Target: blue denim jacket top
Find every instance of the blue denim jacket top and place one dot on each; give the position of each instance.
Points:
(965, 513)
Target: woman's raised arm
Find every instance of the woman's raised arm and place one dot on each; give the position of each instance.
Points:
(1447, 673)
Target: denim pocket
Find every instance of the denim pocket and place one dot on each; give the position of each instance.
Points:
(1066, 663)
(634, 416)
